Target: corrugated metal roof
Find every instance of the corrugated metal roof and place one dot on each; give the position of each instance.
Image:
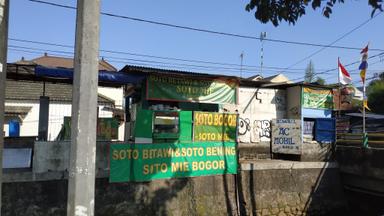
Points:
(17, 109)
(287, 85)
(28, 73)
(132, 69)
(149, 70)
(61, 62)
(19, 90)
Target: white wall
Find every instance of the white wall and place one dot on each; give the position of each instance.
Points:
(294, 102)
(6, 129)
(29, 126)
(116, 94)
(256, 108)
(57, 111)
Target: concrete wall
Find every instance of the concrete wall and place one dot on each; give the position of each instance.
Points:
(256, 108)
(265, 188)
(54, 156)
(314, 151)
(311, 150)
(362, 172)
(292, 188)
(362, 168)
(294, 102)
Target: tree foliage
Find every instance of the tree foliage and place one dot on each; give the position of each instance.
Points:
(320, 81)
(375, 92)
(290, 11)
(309, 73)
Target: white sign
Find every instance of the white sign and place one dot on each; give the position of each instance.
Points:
(286, 136)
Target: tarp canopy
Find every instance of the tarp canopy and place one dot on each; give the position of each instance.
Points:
(325, 130)
(104, 76)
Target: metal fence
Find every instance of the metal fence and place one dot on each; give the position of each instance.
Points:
(375, 140)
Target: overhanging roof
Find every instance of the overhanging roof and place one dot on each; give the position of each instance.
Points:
(130, 69)
(37, 73)
(367, 115)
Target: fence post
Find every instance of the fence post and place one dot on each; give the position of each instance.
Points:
(365, 140)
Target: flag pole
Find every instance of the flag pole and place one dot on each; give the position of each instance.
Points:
(339, 83)
(338, 78)
(364, 106)
(363, 73)
(364, 132)
(241, 64)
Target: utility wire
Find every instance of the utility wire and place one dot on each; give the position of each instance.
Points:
(153, 56)
(152, 63)
(130, 60)
(335, 41)
(206, 30)
(166, 64)
(248, 67)
(163, 66)
(347, 65)
(356, 71)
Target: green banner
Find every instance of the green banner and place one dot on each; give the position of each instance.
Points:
(317, 98)
(178, 88)
(107, 129)
(208, 126)
(144, 162)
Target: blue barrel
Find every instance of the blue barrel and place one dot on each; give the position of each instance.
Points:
(14, 128)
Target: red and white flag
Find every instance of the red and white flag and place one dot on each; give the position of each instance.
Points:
(344, 76)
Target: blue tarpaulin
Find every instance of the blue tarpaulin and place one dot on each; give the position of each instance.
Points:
(325, 130)
(104, 76)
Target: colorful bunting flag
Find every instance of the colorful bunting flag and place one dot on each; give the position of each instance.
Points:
(365, 103)
(364, 64)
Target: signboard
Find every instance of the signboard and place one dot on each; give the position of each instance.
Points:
(286, 136)
(343, 98)
(178, 88)
(144, 162)
(318, 99)
(208, 126)
(107, 129)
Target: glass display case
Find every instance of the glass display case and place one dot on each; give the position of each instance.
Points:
(166, 125)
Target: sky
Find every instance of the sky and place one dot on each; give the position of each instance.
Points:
(150, 45)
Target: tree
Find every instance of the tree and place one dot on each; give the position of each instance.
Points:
(375, 92)
(320, 81)
(290, 11)
(309, 73)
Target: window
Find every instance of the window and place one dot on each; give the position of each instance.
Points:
(308, 126)
(165, 124)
